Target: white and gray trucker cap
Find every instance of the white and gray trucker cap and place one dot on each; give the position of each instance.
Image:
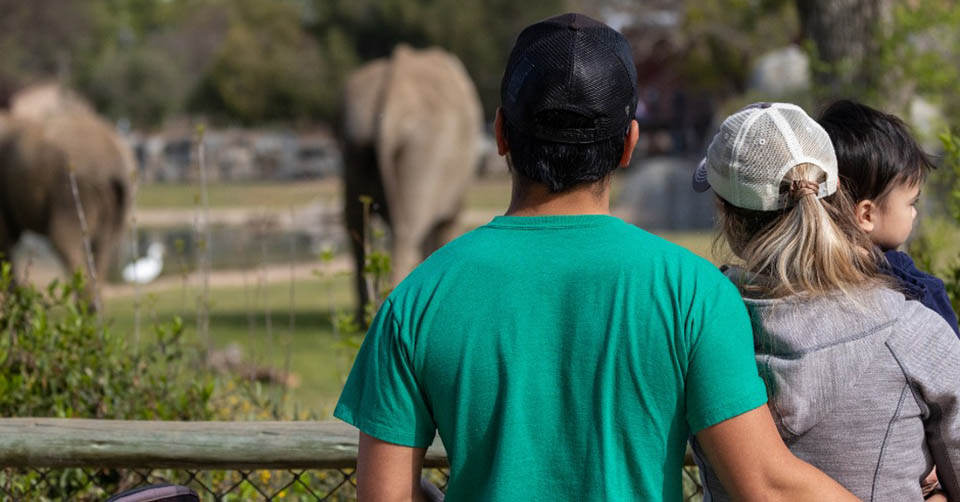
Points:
(756, 147)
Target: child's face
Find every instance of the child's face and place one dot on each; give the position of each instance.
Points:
(893, 219)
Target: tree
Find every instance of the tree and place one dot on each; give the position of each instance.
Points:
(40, 39)
(479, 32)
(883, 52)
(844, 34)
(268, 68)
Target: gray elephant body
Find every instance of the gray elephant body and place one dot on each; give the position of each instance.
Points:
(37, 150)
(410, 129)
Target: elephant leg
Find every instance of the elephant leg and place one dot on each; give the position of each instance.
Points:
(361, 179)
(406, 255)
(67, 240)
(8, 238)
(104, 245)
(356, 229)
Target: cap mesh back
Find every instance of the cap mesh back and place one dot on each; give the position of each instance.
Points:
(575, 64)
(763, 152)
(754, 149)
(814, 143)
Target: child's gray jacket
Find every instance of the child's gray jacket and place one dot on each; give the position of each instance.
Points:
(866, 390)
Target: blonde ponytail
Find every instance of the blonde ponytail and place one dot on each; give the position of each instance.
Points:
(813, 247)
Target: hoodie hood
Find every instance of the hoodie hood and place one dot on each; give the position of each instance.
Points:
(812, 351)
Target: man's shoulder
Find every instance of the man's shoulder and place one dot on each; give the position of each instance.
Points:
(619, 245)
(678, 260)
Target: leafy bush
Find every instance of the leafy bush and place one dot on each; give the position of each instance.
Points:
(951, 275)
(933, 240)
(56, 360)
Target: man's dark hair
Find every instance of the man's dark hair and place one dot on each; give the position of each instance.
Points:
(562, 166)
(875, 150)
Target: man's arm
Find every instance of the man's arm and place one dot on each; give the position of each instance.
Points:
(388, 472)
(752, 462)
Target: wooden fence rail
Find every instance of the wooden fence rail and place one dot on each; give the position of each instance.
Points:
(54, 443)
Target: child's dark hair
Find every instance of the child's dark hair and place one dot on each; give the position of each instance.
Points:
(562, 166)
(875, 150)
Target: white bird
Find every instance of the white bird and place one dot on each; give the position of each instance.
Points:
(146, 269)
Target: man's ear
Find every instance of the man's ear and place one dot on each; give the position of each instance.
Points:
(630, 143)
(502, 147)
(866, 212)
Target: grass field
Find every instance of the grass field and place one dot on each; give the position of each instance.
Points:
(700, 243)
(489, 193)
(484, 193)
(266, 194)
(319, 359)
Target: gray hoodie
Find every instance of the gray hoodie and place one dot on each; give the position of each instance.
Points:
(866, 390)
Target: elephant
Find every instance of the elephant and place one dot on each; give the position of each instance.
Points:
(41, 140)
(410, 129)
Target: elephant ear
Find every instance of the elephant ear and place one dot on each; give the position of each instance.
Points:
(362, 99)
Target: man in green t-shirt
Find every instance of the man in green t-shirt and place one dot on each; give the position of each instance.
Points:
(561, 353)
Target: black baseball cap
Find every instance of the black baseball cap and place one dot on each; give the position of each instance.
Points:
(574, 64)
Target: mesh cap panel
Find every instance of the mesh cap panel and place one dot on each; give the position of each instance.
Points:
(815, 145)
(755, 148)
(575, 64)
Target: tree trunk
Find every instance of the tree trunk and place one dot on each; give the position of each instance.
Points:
(845, 33)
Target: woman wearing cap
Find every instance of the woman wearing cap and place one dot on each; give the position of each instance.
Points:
(862, 383)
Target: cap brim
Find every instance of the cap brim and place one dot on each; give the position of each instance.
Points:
(700, 182)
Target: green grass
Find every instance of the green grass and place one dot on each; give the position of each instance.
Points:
(486, 193)
(319, 359)
(269, 194)
(700, 242)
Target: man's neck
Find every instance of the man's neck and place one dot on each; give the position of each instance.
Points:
(534, 199)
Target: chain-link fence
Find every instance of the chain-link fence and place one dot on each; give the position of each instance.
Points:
(90, 460)
(90, 484)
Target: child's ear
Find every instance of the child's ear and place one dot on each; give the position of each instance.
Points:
(866, 212)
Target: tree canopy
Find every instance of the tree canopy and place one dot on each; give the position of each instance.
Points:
(252, 61)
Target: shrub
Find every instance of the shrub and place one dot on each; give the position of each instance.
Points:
(57, 360)
(934, 240)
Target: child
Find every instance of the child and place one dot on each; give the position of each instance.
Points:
(883, 168)
(850, 365)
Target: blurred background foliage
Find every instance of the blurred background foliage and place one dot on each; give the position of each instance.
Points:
(152, 65)
(244, 61)
(251, 61)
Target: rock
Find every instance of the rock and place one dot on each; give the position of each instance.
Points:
(781, 72)
(927, 121)
(659, 195)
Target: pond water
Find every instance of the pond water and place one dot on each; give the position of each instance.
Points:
(231, 247)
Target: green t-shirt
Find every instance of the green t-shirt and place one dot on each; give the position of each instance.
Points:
(559, 358)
